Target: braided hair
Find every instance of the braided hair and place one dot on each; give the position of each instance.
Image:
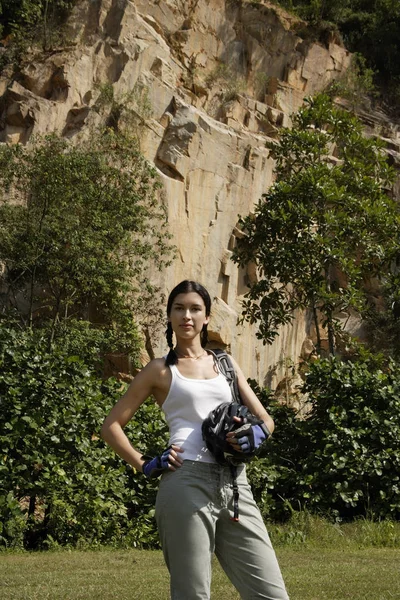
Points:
(185, 287)
(172, 357)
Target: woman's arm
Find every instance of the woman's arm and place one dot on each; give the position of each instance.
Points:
(250, 399)
(112, 430)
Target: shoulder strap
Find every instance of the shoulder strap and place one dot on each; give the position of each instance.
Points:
(227, 369)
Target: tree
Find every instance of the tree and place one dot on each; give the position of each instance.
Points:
(327, 232)
(35, 19)
(84, 222)
(368, 27)
(79, 227)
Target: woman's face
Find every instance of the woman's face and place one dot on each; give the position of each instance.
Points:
(188, 315)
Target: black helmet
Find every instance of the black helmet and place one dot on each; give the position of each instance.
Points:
(221, 421)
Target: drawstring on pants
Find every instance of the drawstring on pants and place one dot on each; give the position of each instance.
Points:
(235, 488)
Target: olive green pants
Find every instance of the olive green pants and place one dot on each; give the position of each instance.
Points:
(193, 511)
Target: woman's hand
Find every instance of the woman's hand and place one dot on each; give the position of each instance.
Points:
(247, 438)
(168, 460)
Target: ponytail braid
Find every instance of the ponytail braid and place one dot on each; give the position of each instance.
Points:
(172, 357)
(204, 336)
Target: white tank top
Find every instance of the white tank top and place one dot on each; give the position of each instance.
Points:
(188, 403)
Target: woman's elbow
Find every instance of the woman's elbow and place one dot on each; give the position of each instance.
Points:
(270, 424)
(105, 430)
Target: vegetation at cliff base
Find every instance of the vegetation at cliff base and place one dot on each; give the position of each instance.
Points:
(343, 459)
(79, 227)
(325, 239)
(59, 483)
(326, 235)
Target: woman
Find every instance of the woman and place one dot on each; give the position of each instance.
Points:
(195, 498)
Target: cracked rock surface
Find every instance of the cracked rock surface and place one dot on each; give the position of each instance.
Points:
(205, 131)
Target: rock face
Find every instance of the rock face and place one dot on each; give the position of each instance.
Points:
(221, 77)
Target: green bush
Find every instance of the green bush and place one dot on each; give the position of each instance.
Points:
(352, 463)
(343, 460)
(59, 483)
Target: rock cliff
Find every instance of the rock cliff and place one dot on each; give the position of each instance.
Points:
(221, 77)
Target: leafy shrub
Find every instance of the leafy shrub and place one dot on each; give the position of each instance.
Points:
(343, 460)
(352, 437)
(59, 483)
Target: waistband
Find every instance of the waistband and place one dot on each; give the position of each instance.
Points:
(210, 468)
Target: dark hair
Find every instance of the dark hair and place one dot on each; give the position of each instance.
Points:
(184, 287)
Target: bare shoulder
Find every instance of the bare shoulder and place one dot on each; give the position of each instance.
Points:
(158, 379)
(155, 366)
(155, 378)
(153, 372)
(238, 370)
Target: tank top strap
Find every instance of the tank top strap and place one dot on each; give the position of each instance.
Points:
(174, 372)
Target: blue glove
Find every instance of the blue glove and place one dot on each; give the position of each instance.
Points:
(250, 437)
(155, 466)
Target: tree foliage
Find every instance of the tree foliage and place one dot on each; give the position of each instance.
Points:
(77, 226)
(327, 231)
(34, 19)
(80, 228)
(370, 27)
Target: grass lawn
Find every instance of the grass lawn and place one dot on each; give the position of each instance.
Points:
(310, 574)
